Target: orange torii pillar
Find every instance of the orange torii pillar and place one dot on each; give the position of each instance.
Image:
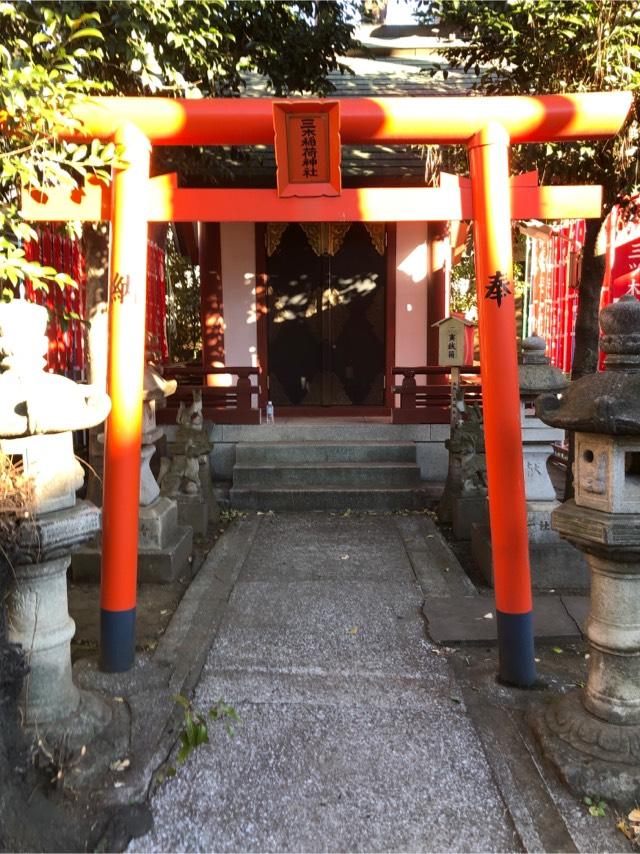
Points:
(489, 168)
(125, 369)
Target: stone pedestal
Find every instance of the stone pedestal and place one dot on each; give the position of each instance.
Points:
(199, 508)
(554, 563)
(164, 547)
(41, 624)
(465, 511)
(537, 447)
(39, 621)
(193, 510)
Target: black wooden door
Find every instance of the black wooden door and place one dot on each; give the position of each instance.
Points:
(326, 322)
(355, 338)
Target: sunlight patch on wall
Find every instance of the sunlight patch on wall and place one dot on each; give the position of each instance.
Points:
(414, 265)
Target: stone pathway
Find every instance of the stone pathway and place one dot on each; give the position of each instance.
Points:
(354, 733)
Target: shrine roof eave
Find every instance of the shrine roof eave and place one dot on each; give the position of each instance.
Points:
(445, 120)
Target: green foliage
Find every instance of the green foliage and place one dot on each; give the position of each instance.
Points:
(463, 284)
(221, 711)
(41, 73)
(184, 330)
(554, 46)
(200, 49)
(195, 731)
(53, 53)
(597, 807)
(463, 279)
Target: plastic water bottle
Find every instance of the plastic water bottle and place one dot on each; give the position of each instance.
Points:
(269, 413)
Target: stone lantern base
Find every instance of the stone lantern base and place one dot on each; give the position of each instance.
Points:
(592, 756)
(592, 736)
(61, 717)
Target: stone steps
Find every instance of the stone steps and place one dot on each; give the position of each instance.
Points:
(325, 451)
(326, 475)
(333, 498)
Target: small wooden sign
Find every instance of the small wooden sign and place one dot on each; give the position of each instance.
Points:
(455, 337)
(307, 145)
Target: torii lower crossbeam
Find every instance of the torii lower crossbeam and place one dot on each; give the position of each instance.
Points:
(167, 203)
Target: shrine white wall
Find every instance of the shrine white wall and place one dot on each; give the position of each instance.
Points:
(411, 294)
(239, 282)
(238, 268)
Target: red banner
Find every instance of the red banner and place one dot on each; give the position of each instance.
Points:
(554, 273)
(67, 306)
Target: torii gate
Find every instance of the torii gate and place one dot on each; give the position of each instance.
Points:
(488, 126)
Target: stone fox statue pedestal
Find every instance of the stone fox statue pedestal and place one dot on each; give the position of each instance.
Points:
(186, 475)
(464, 496)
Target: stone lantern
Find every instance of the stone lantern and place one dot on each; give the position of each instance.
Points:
(38, 412)
(554, 563)
(536, 375)
(593, 735)
(164, 545)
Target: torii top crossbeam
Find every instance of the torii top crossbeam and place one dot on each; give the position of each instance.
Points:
(249, 121)
(487, 126)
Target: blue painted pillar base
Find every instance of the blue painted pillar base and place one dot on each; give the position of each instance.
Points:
(117, 640)
(516, 664)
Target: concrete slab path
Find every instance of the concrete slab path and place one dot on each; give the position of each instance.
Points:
(355, 735)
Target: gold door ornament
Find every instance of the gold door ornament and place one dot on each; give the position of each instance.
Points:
(377, 234)
(316, 233)
(273, 235)
(325, 238)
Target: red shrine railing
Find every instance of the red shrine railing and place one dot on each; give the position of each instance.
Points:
(431, 403)
(222, 404)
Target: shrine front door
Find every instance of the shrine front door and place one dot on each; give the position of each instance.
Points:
(326, 314)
